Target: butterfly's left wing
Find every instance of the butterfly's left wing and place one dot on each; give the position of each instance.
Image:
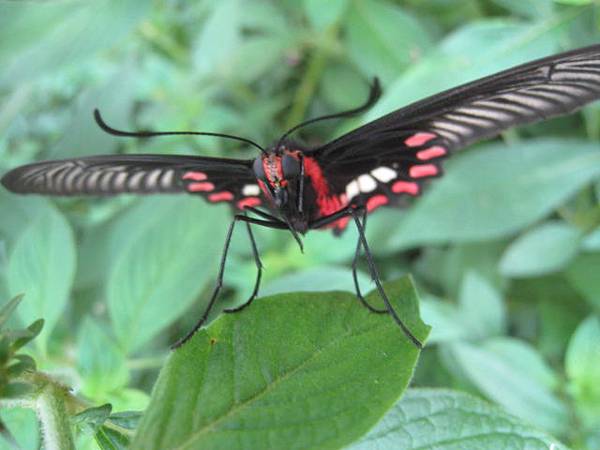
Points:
(215, 179)
(393, 155)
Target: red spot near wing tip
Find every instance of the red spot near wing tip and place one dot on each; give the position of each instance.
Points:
(425, 170)
(405, 187)
(433, 152)
(419, 139)
(248, 202)
(342, 223)
(201, 187)
(196, 176)
(223, 196)
(376, 201)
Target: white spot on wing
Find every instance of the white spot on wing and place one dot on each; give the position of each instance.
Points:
(366, 183)
(384, 174)
(352, 190)
(251, 190)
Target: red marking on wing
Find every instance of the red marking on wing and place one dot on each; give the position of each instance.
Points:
(204, 186)
(248, 202)
(376, 201)
(425, 170)
(196, 176)
(327, 203)
(223, 196)
(433, 152)
(342, 223)
(405, 187)
(418, 139)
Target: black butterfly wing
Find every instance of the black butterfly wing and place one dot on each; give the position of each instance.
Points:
(216, 179)
(396, 153)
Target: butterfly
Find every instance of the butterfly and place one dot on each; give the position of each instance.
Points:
(298, 188)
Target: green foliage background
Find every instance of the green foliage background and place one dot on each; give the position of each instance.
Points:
(505, 249)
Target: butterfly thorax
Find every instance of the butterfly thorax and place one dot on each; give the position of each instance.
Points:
(296, 187)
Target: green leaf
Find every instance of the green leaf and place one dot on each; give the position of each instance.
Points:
(582, 364)
(101, 363)
(514, 375)
(482, 307)
(583, 275)
(575, 2)
(514, 187)
(50, 36)
(158, 270)
(95, 416)
(126, 419)
(445, 419)
(16, 390)
(545, 249)
(532, 9)
(298, 370)
(322, 278)
(323, 14)
(31, 332)
(23, 424)
(109, 439)
(382, 39)
(7, 309)
(42, 265)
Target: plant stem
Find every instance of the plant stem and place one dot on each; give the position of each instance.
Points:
(310, 80)
(54, 420)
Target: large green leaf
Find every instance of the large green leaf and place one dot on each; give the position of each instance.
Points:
(544, 249)
(514, 375)
(583, 275)
(300, 370)
(164, 251)
(452, 420)
(382, 39)
(497, 190)
(39, 37)
(42, 266)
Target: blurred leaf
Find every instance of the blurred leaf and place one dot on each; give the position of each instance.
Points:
(592, 241)
(382, 39)
(574, 2)
(161, 263)
(95, 416)
(445, 321)
(7, 309)
(110, 439)
(217, 43)
(234, 378)
(583, 275)
(30, 333)
(322, 278)
(582, 364)
(101, 363)
(473, 51)
(544, 249)
(513, 188)
(16, 390)
(532, 9)
(323, 14)
(41, 37)
(23, 424)
(114, 100)
(126, 419)
(42, 266)
(512, 374)
(445, 419)
(481, 306)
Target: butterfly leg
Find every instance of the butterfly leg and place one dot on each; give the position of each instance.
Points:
(219, 283)
(259, 268)
(376, 279)
(354, 274)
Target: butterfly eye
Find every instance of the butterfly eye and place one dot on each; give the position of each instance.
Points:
(258, 168)
(290, 166)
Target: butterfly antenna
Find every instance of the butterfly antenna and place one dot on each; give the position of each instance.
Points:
(147, 134)
(374, 95)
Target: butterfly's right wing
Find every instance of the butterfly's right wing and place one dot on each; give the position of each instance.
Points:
(216, 179)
